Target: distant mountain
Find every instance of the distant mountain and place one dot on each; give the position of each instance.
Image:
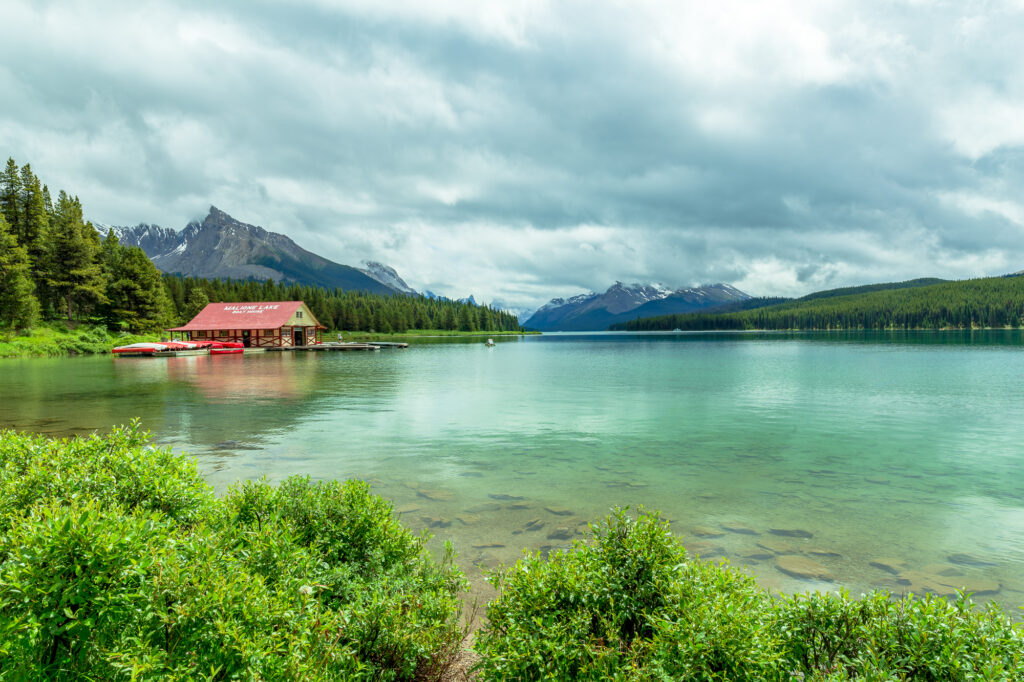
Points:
(621, 302)
(222, 247)
(386, 275)
(522, 314)
(991, 302)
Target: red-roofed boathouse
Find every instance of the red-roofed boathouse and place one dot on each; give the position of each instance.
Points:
(274, 324)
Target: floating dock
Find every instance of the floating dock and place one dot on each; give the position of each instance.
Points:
(375, 345)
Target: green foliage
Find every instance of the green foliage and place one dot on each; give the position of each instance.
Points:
(118, 562)
(918, 304)
(630, 606)
(78, 278)
(18, 306)
(136, 296)
(341, 310)
(57, 338)
(626, 606)
(831, 636)
(74, 273)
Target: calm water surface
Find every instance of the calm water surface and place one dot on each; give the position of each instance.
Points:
(887, 460)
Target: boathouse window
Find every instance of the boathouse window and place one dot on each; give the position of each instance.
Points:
(298, 313)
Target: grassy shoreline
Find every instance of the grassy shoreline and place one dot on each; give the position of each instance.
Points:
(58, 339)
(119, 562)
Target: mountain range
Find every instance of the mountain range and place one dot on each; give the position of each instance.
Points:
(220, 246)
(622, 302)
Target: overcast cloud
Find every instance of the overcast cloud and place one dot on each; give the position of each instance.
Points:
(523, 150)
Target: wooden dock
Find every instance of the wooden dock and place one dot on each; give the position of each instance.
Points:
(320, 347)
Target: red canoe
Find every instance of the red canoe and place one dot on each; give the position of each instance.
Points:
(226, 348)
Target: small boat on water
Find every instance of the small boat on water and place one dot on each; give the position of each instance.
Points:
(141, 349)
(489, 343)
(226, 348)
(166, 348)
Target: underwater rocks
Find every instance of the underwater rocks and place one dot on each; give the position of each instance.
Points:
(740, 528)
(802, 567)
(792, 533)
(435, 495)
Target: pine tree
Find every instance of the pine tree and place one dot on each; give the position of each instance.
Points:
(18, 305)
(34, 230)
(73, 270)
(197, 300)
(10, 196)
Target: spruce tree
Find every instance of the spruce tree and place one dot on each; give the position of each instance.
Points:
(73, 270)
(34, 230)
(10, 196)
(197, 300)
(18, 306)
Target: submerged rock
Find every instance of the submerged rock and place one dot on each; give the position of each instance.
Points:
(893, 566)
(944, 570)
(740, 528)
(558, 511)
(505, 498)
(703, 548)
(792, 533)
(468, 519)
(560, 533)
(705, 532)
(759, 556)
(407, 508)
(802, 567)
(436, 521)
(517, 506)
(777, 546)
(534, 524)
(435, 495)
(947, 586)
(817, 551)
(968, 560)
(485, 507)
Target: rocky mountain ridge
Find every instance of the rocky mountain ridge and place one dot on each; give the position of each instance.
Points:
(220, 246)
(594, 311)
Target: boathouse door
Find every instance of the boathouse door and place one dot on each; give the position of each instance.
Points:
(246, 338)
(297, 338)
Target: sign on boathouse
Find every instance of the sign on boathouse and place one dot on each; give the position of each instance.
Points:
(258, 325)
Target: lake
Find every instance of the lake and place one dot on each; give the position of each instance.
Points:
(871, 460)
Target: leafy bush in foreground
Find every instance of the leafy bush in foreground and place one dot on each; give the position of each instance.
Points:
(630, 606)
(117, 562)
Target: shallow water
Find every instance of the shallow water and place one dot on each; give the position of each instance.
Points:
(887, 460)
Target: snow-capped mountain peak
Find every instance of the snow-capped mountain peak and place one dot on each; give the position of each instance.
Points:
(387, 275)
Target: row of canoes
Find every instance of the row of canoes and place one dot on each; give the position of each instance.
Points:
(176, 347)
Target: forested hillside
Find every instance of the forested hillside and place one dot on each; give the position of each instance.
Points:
(987, 302)
(55, 266)
(344, 310)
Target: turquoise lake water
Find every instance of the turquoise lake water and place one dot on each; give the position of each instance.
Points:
(870, 460)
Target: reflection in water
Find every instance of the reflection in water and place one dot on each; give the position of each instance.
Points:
(887, 460)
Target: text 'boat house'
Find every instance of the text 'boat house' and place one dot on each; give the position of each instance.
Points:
(273, 324)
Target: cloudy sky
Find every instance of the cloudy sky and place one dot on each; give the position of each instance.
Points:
(526, 149)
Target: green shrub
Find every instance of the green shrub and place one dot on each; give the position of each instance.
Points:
(57, 339)
(118, 562)
(876, 637)
(630, 606)
(626, 606)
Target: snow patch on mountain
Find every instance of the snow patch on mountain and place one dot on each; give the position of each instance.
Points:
(387, 275)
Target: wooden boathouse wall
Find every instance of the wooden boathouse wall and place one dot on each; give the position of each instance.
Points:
(269, 324)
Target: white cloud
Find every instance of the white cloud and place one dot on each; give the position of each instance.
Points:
(527, 149)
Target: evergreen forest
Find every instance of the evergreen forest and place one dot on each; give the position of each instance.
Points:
(991, 302)
(54, 265)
